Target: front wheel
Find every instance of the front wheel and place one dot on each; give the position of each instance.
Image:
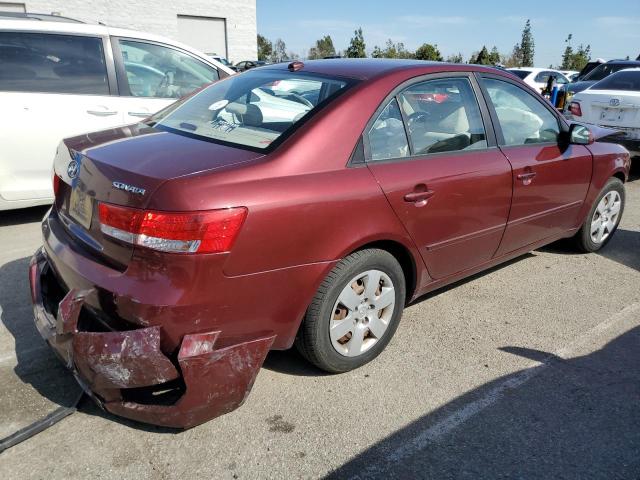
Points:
(354, 313)
(603, 219)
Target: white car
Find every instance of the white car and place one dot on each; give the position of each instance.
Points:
(537, 78)
(613, 102)
(570, 74)
(59, 79)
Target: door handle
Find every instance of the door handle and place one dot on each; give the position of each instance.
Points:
(526, 177)
(139, 114)
(102, 113)
(419, 196)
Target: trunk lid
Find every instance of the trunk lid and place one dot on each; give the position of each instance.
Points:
(125, 166)
(610, 108)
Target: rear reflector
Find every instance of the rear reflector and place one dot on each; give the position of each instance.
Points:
(56, 184)
(212, 231)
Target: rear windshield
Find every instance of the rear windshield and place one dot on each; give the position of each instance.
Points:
(253, 109)
(520, 73)
(605, 70)
(624, 80)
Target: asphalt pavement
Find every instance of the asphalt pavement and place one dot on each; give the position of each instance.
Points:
(529, 370)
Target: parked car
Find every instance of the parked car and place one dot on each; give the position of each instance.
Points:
(182, 249)
(537, 78)
(249, 64)
(613, 102)
(598, 73)
(62, 78)
(222, 60)
(588, 67)
(570, 74)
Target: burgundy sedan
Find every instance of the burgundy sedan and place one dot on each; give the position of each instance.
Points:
(300, 204)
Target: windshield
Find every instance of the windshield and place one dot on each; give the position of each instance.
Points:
(251, 110)
(625, 80)
(520, 73)
(604, 70)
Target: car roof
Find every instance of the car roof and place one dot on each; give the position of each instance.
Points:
(623, 62)
(366, 68)
(99, 30)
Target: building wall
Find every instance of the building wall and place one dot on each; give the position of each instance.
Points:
(161, 17)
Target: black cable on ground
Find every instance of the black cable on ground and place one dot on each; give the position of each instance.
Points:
(39, 426)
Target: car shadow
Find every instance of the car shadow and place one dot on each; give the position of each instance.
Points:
(575, 418)
(23, 215)
(623, 248)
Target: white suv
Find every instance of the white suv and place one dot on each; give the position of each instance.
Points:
(59, 79)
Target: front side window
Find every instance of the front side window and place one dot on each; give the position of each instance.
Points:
(523, 119)
(387, 136)
(442, 116)
(251, 110)
(51, 63)
(162, 72)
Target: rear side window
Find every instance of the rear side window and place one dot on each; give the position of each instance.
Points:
(523, 119)
(51, 63)
(251, 110)
(624, 80)
(387, 136)
(162, 72)
(442, 116)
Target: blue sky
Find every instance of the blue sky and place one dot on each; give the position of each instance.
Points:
(612, 28)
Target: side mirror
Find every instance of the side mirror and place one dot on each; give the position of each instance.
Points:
(580, 135)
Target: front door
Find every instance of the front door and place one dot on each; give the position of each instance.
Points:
(441, 172)
(550, 181)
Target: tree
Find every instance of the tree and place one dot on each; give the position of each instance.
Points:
(514, 59)
(483, 57)
(494, 56)
(428, 52)
(323, 48)
(527, 46)
(392, 50)
(357, 46)
(575, 60)
(567, 56)
(265, 48)
(279, 51)
(455, 58)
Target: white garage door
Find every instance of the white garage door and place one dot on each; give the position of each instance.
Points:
(206, 34)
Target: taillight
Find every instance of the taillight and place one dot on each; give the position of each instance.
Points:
(212, 231)
(56, 184)
(575, 109)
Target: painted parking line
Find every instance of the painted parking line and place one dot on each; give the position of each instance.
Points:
(425, 437)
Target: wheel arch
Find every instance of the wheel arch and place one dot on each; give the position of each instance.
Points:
(404, 257)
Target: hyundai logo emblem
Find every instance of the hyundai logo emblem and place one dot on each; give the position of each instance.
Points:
(614, 102)
(72, 169)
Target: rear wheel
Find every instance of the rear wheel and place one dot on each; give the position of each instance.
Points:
(354, 313)
(603, 219)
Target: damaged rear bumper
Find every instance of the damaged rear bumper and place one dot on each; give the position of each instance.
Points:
(128, 374)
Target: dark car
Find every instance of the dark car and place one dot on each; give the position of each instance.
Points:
(249, 64)
(598, 73)
(181, 249)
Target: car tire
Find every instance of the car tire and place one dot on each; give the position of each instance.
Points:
(603, 218)
(365, 281)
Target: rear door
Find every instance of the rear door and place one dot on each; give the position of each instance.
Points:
(152, 76)
(51, 86)
(432, 150)
(550, 181)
